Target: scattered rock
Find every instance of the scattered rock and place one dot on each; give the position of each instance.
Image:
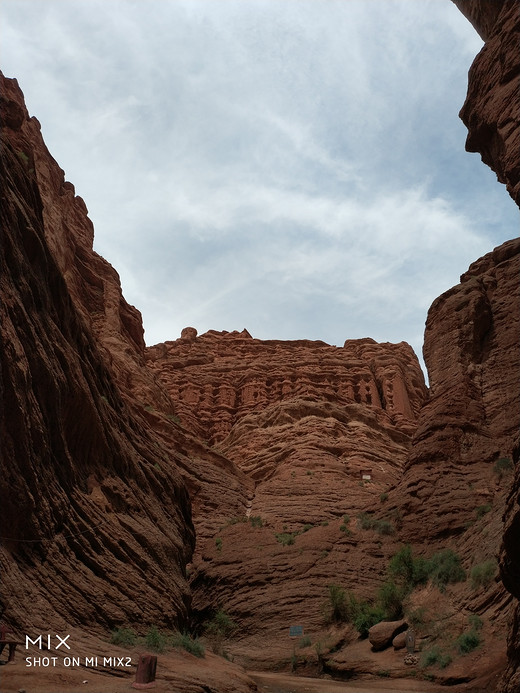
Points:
(382, 634)
(399, 642)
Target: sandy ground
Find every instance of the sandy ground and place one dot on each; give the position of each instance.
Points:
(286, 683)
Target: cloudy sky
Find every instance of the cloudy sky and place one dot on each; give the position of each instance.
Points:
(295, 167)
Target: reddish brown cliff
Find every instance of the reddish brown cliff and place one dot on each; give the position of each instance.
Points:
(470, 423)
(492, 108)
(305, 421)
(93, 515)
(96, 518)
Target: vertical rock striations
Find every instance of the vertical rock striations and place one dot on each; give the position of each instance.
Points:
(472, 417)
(94, 516)
(492, 114)
(491, 111)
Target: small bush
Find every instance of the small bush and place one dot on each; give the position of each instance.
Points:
(221, 625)
(256, 521)
(383, 497)
(155, 640)
(435, 656)
(502, 466)
(304, 642)
(338, 602)
(482, 510)
(346, 530)
(384, 527)
(482, 574)
(306, 527)
(367, 617)
(390, 597)
(188, 643)
(410, 570)
(218, 543)
(285, 538)
(475, 622)
(366, 521)
(467, 642)
(444, 568)
(346, 519)
(416, 617)
(123, 636)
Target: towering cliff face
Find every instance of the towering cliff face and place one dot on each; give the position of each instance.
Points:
(491, 111)
(93, 515)
(472, 417)
(492, 115)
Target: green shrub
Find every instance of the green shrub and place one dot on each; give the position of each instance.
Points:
(285, 538)
(467, 642)
(306, 527)
(502, 466)
(346, 530)
(366, 521)
(221, 625)
(410, 570)
(383, 497)
(218, 543)
(475, 622)
(482, 574)
(482, 510)
(346, 519)
(384, 527)
(368, 615)
(186, 642)
(338, 602)
(435, 656)
(123, 636)
(390, 598)
(444, 568)
(256, 521)
(416, 617)
(304, 642)
(155, 640)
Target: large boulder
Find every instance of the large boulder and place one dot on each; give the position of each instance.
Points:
(382, 634)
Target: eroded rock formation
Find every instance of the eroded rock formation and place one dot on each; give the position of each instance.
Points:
(322, 432)
(93, 515)
(491, 111)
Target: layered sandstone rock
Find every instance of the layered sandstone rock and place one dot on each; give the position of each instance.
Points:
(492, 115)
(323, 433)
(93, 514)
(472, 417)
(491, 111)
(220, 377)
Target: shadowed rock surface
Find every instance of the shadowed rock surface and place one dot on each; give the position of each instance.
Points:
(93, 516)
(492, 114)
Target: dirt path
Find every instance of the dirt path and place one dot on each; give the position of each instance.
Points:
(285, 683)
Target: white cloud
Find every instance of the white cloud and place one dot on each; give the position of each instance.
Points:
(296, 168)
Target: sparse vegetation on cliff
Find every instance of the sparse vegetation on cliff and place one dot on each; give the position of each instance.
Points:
(482, 574)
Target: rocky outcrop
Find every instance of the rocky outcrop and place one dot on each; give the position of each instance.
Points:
(491, 111)
(382, 634)
(220, 377)
(472, 417)
(322, 432)
(492, 115)
(93, 514)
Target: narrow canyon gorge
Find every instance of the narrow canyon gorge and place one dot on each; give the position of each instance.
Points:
(220, 475)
